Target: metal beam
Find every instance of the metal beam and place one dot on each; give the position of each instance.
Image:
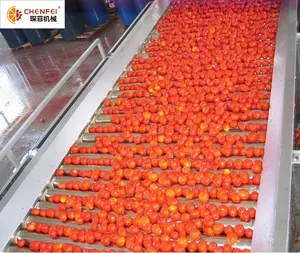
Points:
(272, 224)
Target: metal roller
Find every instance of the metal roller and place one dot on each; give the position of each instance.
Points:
(90, 137)
(44, 238)
(54, 222)
(114, 94)
(57, 180)
(46, 205)
(17, 249)
(67, 169)
(242, 243)
(91, 144)
(97, 156)
(55, 191)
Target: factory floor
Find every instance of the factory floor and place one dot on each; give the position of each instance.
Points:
(26, 77)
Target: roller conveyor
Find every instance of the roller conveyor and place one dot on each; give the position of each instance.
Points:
(57, 194)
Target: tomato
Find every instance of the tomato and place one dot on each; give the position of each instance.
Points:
(74, 149)
(252, 212)
(202, 246)
(166, 247)
(34, 246)
(31, 226)
(248, 232)
(254, 196)
(21, 243)
(244, 194)
(45, 229)
(105, 240)
(239, 230)
(218, 228)
(67, 248)
(203, 196)
(89, 237)
(182, 242)
(232, 211)
(236, 198)
(227, 248)
(59, 172)
(223, 210)
(195, 234)
(232, 238)
(192, 247)
(257, 166)
(67, 160)
(35, 211)
(212, 246)
(245, 216)
(256, 179)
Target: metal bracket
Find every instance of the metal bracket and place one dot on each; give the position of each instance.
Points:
(29, 155)
(14, 160)
(6, 150)
(296, 157)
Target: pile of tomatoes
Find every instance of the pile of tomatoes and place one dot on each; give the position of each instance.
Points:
(183, 151)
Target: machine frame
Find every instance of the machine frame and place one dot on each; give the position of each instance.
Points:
(272, 224)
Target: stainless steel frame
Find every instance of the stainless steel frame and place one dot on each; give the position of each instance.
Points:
(272, 222)
(20, 164)
(113, 49)
(20, 198)
(6, 151)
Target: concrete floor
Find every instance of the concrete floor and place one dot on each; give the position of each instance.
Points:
(28, 75)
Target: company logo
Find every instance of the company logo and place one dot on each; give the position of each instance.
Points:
(32, 14)
(13, 15)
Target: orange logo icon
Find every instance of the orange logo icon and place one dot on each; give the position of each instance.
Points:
(13, 15)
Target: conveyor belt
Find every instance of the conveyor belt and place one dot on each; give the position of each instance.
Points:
(114, 172)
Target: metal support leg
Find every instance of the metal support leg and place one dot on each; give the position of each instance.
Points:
(14, 160)
(101, 49)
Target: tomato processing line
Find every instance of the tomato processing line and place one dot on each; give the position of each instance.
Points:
(39, 183)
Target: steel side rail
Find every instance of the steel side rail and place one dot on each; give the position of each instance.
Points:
(113, 49)
(6, 151)
(272, 222)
